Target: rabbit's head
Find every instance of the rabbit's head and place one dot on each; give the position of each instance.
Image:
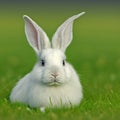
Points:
(51, 68)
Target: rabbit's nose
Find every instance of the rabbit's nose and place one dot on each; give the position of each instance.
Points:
(54, 75)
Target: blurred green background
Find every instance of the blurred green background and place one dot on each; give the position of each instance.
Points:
(94, 52)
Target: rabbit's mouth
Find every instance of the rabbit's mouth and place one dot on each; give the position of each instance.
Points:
(53, 83)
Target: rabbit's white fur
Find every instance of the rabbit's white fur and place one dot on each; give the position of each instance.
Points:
(53, 82)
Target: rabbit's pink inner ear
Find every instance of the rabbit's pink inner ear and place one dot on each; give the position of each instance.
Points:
(34, 35)
(31, 33)
(63, 36)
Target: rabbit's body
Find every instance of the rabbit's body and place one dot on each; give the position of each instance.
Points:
(38, 89)
(53, 82)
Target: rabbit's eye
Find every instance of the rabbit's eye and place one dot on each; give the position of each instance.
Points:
(42, 62)
(63, 62)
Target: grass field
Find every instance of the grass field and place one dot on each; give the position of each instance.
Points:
(94, 52)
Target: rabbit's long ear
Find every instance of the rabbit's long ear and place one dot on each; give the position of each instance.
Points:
(63, 36)
(36, 37)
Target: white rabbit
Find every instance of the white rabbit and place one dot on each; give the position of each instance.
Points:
(53, 82)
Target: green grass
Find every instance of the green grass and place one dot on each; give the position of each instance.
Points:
(94, 52)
